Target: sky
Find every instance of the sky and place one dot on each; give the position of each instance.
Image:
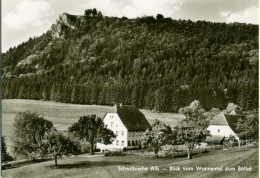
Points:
(22, 19)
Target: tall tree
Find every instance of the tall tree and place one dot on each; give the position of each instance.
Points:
(194, 115)
(191, 137)
(5, 155)
(74, 95)
(57, 144)
(92, 129)
(159, 17)
(157, 137)
(28, 131)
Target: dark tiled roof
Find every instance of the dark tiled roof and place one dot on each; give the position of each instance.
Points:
(132, 118)
(232, 121)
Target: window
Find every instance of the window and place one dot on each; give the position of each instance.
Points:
(111, 117)
(117, 133)
(122, 133)
(112, 123)
(117, 142)
(122, 143)
(133, 143)
(129, 143)
(136, 142)
(116, 125)
(218, 130)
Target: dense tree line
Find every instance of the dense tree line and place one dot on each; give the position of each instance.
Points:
(155, 63)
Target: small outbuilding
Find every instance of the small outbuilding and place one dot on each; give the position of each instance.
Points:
(224, 125)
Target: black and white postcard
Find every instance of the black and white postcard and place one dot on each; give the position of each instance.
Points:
(129, 88)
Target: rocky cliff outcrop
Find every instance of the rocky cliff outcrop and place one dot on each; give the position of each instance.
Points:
(64, 22)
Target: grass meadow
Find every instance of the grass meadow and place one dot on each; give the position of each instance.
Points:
(63, 115)
(107, 166)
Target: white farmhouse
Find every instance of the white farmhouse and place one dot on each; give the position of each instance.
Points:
(224, 125)
(128, 123)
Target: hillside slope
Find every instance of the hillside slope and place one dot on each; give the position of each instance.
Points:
(154, 63)
(64, 115)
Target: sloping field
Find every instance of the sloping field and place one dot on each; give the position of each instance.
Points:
(63, 115)
(107, 166)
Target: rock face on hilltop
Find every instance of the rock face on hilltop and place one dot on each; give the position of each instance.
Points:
(64, 22)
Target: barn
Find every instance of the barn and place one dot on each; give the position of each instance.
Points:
(224, 126)
(128, 123)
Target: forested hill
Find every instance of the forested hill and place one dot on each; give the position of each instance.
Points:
(150, 62)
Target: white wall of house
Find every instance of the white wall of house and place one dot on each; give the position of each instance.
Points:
(221, 131)
(115, 124)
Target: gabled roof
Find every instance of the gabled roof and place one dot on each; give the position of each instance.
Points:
(227, 120)
(132, 118)
(236, 112)
(219, 120)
